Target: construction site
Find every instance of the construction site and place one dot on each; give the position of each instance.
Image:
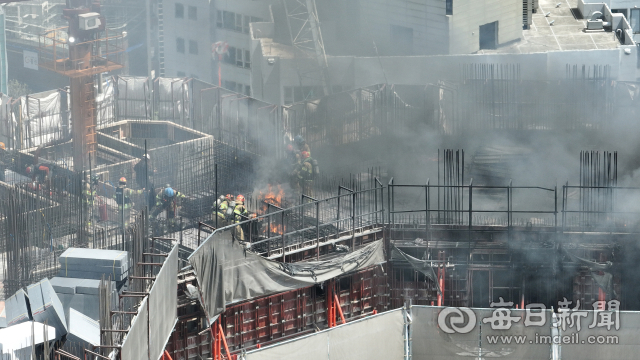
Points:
(481, 215)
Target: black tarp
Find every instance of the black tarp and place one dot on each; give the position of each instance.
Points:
(423, 266)
(228, 274)
(604, 281)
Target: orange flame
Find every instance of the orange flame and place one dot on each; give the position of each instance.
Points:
(276, 229)
(271, 197)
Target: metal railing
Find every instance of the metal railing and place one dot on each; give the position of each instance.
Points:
(278, 233)
(470, 208)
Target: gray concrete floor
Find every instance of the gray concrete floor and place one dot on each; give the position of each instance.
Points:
(567, 32)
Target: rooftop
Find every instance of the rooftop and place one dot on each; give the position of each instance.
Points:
(567, 32)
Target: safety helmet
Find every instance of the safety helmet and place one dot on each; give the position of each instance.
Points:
(168, 192)
(229, 197)
(221, 198)
(299, 139)
(123, 181)
(29, 169)
(305, 154)
(2, 146)
(289, 147)
(240, 198)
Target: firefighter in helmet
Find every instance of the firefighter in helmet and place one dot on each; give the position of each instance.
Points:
(240, 214)
(168, 200)
(306, 173)
(123, 197)
(224, 210)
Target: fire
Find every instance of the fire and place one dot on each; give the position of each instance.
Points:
(276, 229)
(273, 198)
(270, 197)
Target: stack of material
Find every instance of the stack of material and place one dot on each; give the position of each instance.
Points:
(93, 264)
(46, 307)
(83, 330)
(16, 341)
(82, 295)
(17, 308)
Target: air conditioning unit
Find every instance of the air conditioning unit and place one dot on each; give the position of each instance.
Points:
(89, 21)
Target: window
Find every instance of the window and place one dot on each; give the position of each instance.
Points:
(247, 59)
(181, 74)
(219, 19)
(193, 47)
(489, 36)
(193, 13)
(245, 24)
(230, 85)
(179, 11)
(232, 21)
(239, 57)
(228, 20)
(238, 26)
(635, 20)
(230, 56)
(449, 7)
(180, 45)
(247, 90)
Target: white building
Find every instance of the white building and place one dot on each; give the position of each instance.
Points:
(429, 27)
(191, 27)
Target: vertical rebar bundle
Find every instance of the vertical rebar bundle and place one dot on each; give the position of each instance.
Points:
(598, 175)
(450, 190)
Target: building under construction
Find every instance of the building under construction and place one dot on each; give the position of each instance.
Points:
(394, 230)
(482, 216)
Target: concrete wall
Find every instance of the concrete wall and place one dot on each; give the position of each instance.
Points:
(355, 72)
(469, 15)
(191, 65)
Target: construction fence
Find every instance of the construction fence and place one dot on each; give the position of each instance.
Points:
(426, 332)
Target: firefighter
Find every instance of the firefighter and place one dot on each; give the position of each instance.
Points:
(301, 144)
(123, 197)
(39, 173)
(307, 172)
(293, 167)
(240, 214)
(222, 206)
(168, 200)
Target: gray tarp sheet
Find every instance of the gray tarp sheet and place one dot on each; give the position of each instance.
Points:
(227, 273)
(136, 344)
(620, 344)
(163, 305)
(430, 342)
(375, 337)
